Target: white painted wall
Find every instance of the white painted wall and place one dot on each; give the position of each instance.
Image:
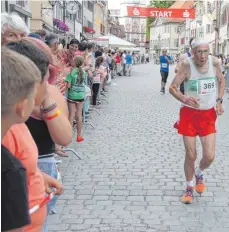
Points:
(78, 30)
(87, 15)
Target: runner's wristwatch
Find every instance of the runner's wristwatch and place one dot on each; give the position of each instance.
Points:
(219, 100)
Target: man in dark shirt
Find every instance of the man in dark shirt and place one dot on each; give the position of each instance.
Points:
(19, 81)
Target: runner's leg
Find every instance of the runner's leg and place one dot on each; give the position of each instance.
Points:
(208, 146)
(190, 157)
(189, 168)
(165, 79)
(162, 80)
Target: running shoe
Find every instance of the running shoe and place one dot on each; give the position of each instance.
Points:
(79, 139)
(188, 195)
(162, 91)
(200, 186)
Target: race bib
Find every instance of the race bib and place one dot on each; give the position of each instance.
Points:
(207, 86)
(164, 65)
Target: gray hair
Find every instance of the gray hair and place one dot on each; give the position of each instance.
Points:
(51, 38)
(12, 20)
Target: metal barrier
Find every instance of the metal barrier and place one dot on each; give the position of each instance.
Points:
(73, 151)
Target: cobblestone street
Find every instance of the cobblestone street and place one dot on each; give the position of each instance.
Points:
(131, 174)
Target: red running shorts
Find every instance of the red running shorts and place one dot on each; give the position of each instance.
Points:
(195, 122)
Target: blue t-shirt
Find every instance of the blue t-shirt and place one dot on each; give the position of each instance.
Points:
(164, 63)
(128, 59)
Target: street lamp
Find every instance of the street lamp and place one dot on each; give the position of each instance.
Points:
(159, 45)
(53, 3)
(216, 36)
(178, 33)
(199, 21)
(159, 39)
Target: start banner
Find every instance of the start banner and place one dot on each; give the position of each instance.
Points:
(135, 11)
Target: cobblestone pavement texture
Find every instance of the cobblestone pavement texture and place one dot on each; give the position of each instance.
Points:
(131, 177)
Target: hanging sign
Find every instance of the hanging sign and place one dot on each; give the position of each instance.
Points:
(160, 12)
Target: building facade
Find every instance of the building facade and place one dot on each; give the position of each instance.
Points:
(100, 18)
(169, 33)
(22, 8)
(54, 16)
(114, 26)
(211, 24)
(42, 16)
(164, 35)
(88, 19)
(135, 28)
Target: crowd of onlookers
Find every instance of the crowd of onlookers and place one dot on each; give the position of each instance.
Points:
(46, 85)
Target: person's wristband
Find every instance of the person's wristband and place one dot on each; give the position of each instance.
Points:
(53, 116)
(49, 108)
(219, 100)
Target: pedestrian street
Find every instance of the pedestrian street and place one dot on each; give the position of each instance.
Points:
(131, 174)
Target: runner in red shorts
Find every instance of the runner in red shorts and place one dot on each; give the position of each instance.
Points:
(202, 102)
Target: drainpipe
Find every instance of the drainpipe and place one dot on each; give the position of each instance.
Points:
(6, 6)
(64, 9)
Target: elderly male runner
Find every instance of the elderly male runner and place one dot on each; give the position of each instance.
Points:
(202, 102)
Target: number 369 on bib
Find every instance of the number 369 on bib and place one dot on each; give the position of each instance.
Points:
(206, 87)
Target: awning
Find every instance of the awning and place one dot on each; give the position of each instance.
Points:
(115, 41)
(130, 49)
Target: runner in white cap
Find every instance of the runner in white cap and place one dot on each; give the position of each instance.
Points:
(202, 102)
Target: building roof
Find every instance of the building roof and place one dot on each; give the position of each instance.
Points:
(179, 5)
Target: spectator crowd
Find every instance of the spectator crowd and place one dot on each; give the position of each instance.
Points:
(47, 87)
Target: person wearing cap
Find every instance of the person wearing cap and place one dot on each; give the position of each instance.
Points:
(202, 104)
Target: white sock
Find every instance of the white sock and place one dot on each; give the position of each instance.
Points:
(198, 172)
(190, 183)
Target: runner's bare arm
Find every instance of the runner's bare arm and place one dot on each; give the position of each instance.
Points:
(220, 78)
(179, 78)
(181, 59)
(177, 67)
(221, 85)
